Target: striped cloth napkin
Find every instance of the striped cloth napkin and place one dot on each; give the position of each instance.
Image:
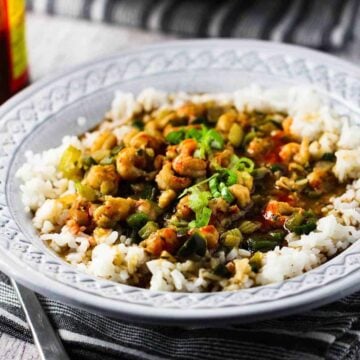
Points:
(323, 24)
(331, 332)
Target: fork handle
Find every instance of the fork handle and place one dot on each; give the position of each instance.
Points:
(46, 339)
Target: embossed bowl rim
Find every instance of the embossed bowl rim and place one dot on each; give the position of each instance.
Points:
(202, 314)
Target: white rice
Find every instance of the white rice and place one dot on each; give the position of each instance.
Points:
(327, 143)
(347, 164)
(114, 257)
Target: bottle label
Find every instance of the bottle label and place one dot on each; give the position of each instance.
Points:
(13, 59)
(16, 14)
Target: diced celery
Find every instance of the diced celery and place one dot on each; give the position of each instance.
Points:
(70, 163)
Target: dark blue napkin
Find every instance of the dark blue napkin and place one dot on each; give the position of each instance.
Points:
(323, 24)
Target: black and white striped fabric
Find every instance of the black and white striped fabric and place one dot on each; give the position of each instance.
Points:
(331, 332)
(323, 24)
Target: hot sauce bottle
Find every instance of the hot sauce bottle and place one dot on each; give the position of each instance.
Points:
(14, 73)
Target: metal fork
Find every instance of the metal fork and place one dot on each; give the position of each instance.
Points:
(46, 339)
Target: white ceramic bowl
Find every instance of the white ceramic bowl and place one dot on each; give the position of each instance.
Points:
(40, 116)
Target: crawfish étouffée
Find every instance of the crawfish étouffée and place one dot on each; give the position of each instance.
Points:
(199, 179)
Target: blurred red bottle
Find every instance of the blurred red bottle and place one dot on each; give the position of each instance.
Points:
(14, 73)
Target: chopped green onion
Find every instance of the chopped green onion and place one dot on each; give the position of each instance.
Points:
(182, 226)
(208, 139)
(220, 188)
(148, 192)
(222, 271)
(277, 235)
(175, 137)
(182, 231)
(116, 150)
(245, 164)
(305, 228)
(248, 227)
(194, 134)
(261, 243)
(231, 177)
(137, 220)
(199, 199)
(213, 185)
(202, 218)
(294, 220)
(231, 238)
(149, 228)
(225, 193)
(138, 123)
(301, 223)
(198, 202)
(214, 139)
(242, 164)
(87, 162)
(195, 245)
(328, 157)
(248, 137)
(313, 194)
(190, 189)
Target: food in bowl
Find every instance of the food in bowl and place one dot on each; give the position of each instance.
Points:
(201, 192)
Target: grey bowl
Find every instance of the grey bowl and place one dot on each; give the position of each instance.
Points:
(40, 116)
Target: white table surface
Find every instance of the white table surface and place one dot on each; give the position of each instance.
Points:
(55, 44)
